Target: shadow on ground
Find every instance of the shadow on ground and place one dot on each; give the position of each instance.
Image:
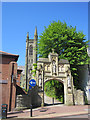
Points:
(53, 104)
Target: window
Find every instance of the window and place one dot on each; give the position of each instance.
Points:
(31, 50)
(31, 60)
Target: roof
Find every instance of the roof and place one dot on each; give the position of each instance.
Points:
(19, 69)
(43, 60)
(9, 54)
(63, 61)
(5, 53)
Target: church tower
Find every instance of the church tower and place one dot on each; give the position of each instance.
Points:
(31, 56)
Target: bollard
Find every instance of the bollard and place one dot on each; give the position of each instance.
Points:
(30, 110)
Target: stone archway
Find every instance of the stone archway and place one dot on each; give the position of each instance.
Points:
(59, 93)
(52, 68)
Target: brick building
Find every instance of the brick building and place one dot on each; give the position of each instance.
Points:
(8, 79)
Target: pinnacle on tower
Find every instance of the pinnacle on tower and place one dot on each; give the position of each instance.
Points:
(27, 35)
(35, 34)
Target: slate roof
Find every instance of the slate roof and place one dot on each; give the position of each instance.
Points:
(63, 61)
(43, 60)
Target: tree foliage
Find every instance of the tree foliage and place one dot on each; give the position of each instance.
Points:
(34, 69)
(67, 42)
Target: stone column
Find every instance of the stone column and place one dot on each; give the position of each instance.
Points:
(42, 88)
(65, 91)
(70, 100)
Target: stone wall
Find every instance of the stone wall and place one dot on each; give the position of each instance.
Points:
(24, 101)
(78, 97)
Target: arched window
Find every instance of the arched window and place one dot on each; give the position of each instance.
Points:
(31, 50)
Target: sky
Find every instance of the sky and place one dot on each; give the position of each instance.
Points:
(18, 18)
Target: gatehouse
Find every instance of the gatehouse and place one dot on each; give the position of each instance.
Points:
(50, 68)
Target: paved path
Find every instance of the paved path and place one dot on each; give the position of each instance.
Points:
(51, 112)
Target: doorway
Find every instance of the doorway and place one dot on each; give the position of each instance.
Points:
(53, 92)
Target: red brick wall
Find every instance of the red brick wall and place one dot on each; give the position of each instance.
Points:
(12, 86)
(13, 95)
(8, 89)
(5, 66)
(4, 94)
(0, 79)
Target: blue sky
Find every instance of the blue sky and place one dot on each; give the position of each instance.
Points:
(18, 18)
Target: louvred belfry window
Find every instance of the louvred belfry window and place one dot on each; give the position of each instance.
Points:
(31, 50)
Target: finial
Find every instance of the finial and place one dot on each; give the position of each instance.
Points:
(27, 35)
(52, 50)
(35, 31)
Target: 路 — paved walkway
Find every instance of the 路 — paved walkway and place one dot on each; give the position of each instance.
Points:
(50, 111)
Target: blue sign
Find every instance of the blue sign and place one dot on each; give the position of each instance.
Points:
(30, 87)
(32, 82)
